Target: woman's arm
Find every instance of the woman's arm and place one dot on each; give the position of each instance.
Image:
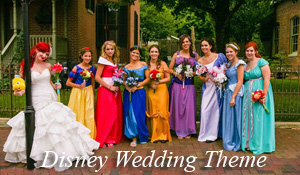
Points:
(166, 72)
(266, 73)
(98, 78)
(74, 85)
(240, 74)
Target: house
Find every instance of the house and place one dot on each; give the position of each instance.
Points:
(286, 31)
(70, 25)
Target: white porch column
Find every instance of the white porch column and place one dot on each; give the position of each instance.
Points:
(15, 16)
(53, 30)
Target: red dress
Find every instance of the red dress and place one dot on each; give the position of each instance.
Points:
(109, 114)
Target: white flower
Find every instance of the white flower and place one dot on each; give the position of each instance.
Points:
(158, 75)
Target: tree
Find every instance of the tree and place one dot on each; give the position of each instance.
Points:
(156, 24)
(220, 10)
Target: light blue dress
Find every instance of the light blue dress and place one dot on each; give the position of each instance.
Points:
(135, 110)
(258, 126)
(232, 116)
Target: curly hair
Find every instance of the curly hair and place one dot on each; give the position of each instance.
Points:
(255, 47)
(116, 56)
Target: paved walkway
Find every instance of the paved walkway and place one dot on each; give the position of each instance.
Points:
(285, 160)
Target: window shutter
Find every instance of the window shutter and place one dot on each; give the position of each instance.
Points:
(136, 23)
(122, 26)
(100, 15)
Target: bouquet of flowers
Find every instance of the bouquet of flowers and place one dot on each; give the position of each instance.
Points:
(185, 70)
(86, 75)
(131, 80)
(155, 76)
(258, 95)
(118, 78)
(219, 76)
(201, 70)
(57, 68)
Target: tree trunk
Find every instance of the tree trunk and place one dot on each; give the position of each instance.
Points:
(222, 29)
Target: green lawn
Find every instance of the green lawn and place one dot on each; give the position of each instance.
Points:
(286, 97)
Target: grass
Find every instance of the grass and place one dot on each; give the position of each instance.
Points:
(286, 97)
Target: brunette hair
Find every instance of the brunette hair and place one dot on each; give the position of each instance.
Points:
(181, 38)
(210, 42)
(158, 63)
(83, 51)
(136, 47)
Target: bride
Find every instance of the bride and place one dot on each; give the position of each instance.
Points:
(56, 127)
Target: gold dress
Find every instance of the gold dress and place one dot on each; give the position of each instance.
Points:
(158, 112)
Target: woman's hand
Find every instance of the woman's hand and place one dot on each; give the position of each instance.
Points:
(114, 88)
(179, 77)
(19, 92)
(133, 89)
(232, 102)
(57, 86)
(82, 85)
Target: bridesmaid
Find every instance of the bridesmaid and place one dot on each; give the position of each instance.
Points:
(109, 115)
(258, 126)
(158, 102)
(135, 110)
(233, 97)
(211, 101)
(183, 100)
(82, 95)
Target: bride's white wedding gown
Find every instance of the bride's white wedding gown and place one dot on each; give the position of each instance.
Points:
(56, 128)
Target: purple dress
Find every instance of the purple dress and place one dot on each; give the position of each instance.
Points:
(183, 102)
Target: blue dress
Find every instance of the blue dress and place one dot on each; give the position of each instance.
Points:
(232, 116)
(258, 126)
(135, 110)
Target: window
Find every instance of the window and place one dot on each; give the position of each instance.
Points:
(111, 24)
(276, 39)
(294, 35)
(90, 5)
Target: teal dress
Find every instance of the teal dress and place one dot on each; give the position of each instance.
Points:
(258, 126)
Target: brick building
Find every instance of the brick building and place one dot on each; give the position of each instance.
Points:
(286, 32)
(76, 24)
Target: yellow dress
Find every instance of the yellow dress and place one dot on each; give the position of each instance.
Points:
(158, 112)
(82, 102)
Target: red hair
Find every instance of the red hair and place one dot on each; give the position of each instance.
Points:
(42, 47)
(255, 47)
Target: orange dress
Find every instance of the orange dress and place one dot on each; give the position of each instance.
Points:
(158, 112)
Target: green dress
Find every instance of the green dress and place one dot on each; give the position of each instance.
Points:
(258, 126)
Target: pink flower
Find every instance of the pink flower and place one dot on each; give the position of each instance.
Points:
(57, 68)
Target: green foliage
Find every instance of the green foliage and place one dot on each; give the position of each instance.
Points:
(248, 20)
(156, 24)
(19, 49)
(256, 38)
(4, 83)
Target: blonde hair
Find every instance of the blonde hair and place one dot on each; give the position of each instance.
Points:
(116, 56)
(233, 46)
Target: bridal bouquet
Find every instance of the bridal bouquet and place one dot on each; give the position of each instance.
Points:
(57, 68)
(118, 77)
(131, 80)
(155, 76)
(219, 76)
(86, 75)
(201, 70)
(259, 95)
(185, 70)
